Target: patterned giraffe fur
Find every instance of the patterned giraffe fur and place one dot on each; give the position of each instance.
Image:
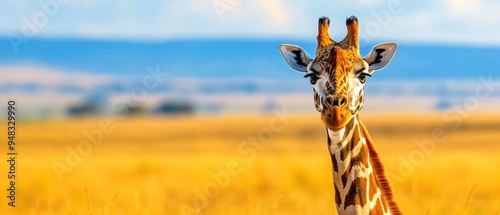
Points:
(359, 181)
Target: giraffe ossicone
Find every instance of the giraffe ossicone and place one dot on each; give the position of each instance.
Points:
(338, 75)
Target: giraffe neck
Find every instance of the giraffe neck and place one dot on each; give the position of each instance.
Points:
(357, 190)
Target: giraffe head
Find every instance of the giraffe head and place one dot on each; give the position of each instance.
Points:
(338, 73)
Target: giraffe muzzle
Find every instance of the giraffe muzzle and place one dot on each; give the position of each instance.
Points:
(336, 118)
(336, 113)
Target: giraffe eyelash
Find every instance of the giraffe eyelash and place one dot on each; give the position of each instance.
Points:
(367, 74)
(313, 78)
(310, 75)
(361, 71)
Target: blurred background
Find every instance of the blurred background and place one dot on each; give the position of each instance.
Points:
(221, 56)
(185, 82)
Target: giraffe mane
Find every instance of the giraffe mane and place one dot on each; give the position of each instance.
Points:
(379, 171)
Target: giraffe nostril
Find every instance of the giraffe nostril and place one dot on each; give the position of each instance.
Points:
(329, 101)
(342, 101)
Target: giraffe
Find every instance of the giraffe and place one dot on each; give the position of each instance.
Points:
(338, 75)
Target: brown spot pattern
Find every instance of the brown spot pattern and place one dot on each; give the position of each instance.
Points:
(357, 193)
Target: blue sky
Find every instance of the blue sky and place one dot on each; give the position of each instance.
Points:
(449, 21)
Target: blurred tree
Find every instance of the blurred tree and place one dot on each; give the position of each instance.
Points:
(83, 109)
(174, 107)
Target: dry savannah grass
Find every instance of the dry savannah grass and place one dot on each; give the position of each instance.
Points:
(220, 165)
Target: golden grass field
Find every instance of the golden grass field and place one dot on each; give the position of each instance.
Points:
(158, 165)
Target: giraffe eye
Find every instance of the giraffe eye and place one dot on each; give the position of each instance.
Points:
(362, 77)
(312, 77)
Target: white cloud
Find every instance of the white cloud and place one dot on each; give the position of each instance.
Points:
(464, 7)
(277, 12)
(93, 30)
(367, 2)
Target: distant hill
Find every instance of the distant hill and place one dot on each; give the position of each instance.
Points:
(53, 76)
(237, 58)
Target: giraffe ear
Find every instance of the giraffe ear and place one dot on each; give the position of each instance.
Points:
(296, 58)
(381, 55)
